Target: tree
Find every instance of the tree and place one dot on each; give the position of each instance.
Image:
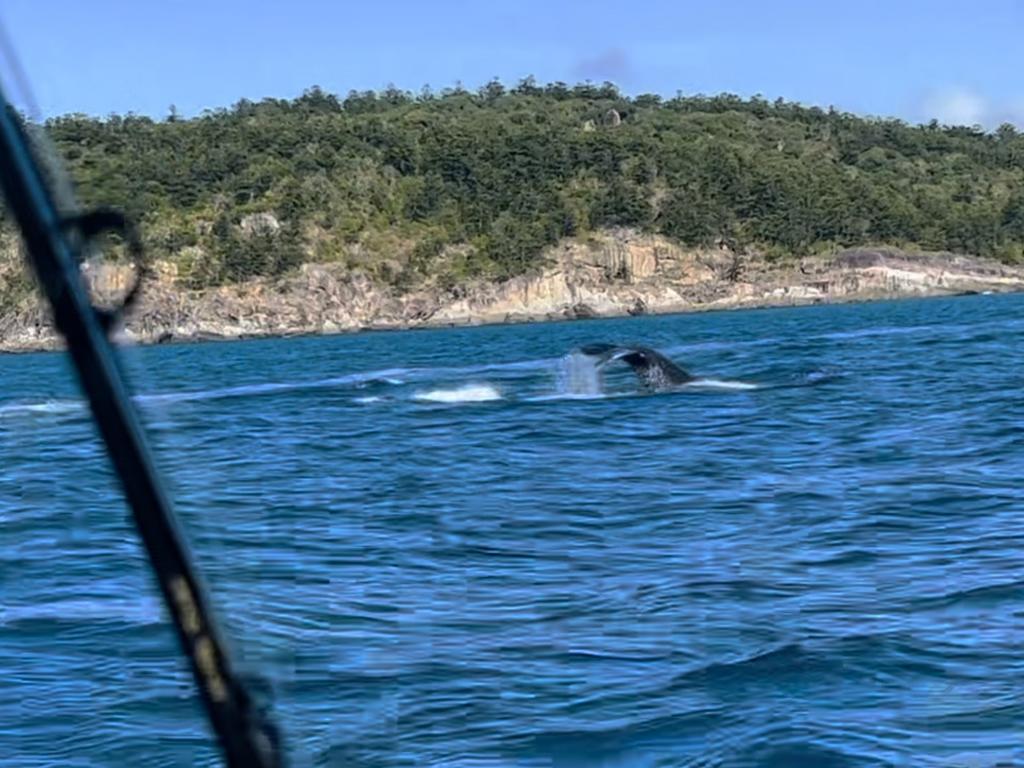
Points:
(501, 173)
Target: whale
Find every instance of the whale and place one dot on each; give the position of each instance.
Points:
(655, 371)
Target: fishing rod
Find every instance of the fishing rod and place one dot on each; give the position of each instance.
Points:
(55, 244)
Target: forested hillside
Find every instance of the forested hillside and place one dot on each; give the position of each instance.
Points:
(462, 183)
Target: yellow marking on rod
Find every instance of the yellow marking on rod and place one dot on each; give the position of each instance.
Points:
(208, 665)
(186, 605)
(202, 645)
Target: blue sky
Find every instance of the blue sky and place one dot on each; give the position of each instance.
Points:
(957, 61)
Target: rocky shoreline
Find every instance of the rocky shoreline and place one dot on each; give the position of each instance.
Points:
(610, 274)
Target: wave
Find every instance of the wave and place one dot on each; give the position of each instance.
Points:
(984, 595)
(576, 378)
(44, 407)
(673, 350)
(947, 329)
(722, 384)
(577, 396)
(515, 365)
(134, 611)
(391, 376)
(468, 393)
(387, 376)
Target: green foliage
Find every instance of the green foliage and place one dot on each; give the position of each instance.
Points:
(16, 284)
(500, 173)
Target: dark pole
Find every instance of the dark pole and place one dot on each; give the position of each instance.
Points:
(246, 736)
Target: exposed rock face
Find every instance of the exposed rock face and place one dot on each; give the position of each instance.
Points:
(259, 224)
(618, 272)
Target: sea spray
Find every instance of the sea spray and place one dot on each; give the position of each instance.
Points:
(579, 375)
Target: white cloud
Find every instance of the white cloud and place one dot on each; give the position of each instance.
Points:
(957, 106)
(966, 106)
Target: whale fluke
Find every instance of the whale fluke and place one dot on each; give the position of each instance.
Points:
(655, 370)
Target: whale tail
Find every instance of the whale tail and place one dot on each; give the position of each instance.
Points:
(655, 370)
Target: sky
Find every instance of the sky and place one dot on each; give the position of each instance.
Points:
(959, 62)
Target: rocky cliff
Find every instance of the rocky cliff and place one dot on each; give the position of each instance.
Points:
(612, 273)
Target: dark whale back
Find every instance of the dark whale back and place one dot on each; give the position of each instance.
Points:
(655, 370)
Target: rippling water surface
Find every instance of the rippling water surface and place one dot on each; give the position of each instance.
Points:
(454, 548)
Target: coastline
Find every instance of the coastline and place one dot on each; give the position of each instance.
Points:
(614, 274)
(523, 320)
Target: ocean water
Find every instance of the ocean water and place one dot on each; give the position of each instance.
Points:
(463, 548)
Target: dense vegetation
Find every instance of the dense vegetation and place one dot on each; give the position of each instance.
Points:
(461, 183)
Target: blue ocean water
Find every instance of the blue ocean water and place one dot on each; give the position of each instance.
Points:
(459, 548)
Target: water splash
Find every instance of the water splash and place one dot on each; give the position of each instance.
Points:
(578, 374)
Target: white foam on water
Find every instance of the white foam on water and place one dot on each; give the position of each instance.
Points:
(370, 399)
(578, 374)
(469, 393)
(46, 407)
(573, 396)
(721, 384)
